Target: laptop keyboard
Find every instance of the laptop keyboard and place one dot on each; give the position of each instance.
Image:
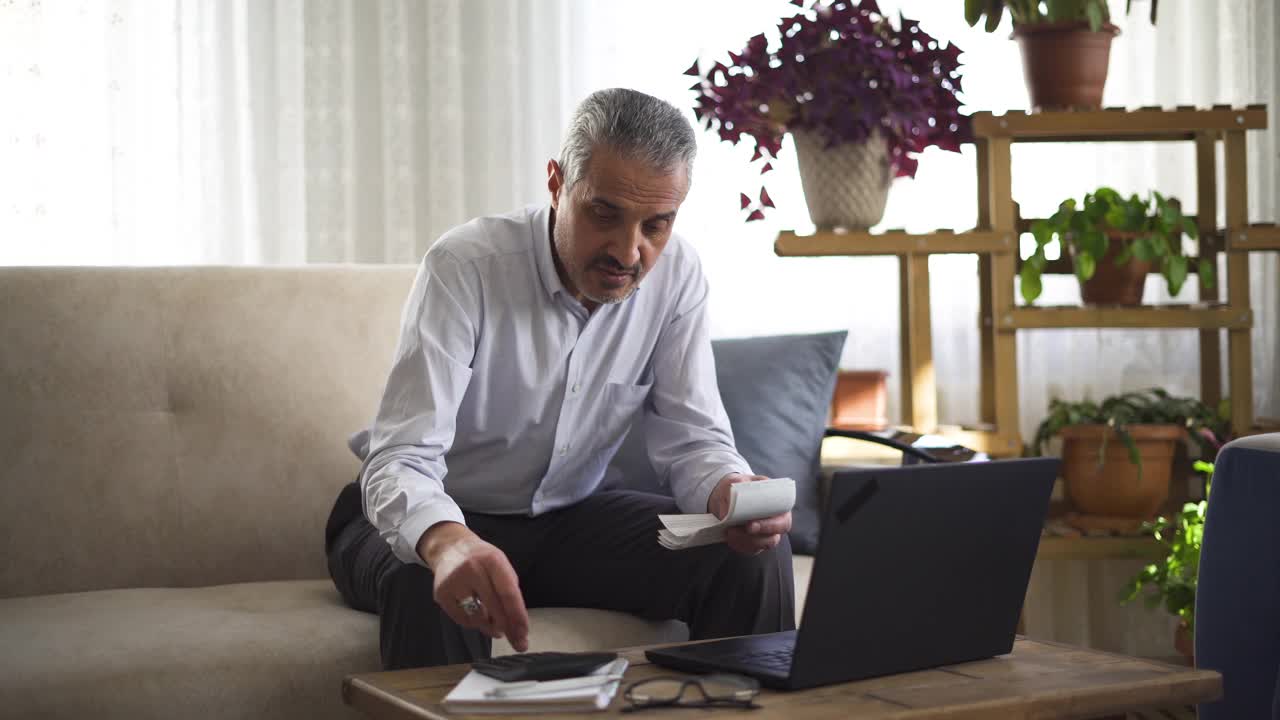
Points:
(778, 659)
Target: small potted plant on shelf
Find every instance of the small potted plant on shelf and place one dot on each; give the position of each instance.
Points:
(1066, 46)
(861, 95)
(1118, 455)
(1114, 242)
(1172, 579)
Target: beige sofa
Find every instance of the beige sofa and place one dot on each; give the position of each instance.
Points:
(171, 441)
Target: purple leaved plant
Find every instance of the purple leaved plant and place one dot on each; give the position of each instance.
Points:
(844, 71)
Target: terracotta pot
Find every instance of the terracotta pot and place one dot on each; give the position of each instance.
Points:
(844, 186)
(1114, 284)
(1184, 643)
(1114, 488)
(861, 400)
(1065, 64)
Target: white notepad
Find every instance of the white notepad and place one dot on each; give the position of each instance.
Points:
(473, 695)
(747, 501)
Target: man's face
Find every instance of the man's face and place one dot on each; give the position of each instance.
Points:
(612, 225)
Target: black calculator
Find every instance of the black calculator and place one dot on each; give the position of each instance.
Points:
(542, 665)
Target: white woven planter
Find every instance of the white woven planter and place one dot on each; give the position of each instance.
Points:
(846, 185)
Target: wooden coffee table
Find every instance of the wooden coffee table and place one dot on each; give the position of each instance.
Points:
(1039, 679)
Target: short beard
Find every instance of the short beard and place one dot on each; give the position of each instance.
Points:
(571, 269)
(613, 300)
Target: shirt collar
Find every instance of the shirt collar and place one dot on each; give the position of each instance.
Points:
(542, 252)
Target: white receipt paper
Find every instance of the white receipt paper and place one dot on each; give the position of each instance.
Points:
(747, 501)
(474, 694)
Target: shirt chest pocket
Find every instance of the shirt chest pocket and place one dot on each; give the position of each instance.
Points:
(621, 404)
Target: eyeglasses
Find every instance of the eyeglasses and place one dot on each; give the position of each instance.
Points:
(728, 690)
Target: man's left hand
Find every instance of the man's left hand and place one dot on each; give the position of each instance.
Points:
(756, 536)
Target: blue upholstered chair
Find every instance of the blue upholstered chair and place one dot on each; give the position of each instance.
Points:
(1238, 599)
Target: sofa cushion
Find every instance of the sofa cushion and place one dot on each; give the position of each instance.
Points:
(202, 410)
(582, 629)
(802, 568)
(777, 392)
(276, 649)
(270, 649)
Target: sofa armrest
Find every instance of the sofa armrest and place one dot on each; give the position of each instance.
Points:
(1237, 630)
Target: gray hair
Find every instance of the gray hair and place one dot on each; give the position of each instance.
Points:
(632, 123)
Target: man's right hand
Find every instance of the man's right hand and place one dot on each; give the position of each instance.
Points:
(466, 566)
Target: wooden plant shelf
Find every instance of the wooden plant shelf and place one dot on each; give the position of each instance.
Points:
(1096, 548)
(995, 241)
(1255, 237)
(1118, 124)
(1146, 316)
(839, 453)
(986, 441)
(893, 242)
(1062, 265)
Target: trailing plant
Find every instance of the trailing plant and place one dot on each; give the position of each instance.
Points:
(1024, 12)
(1205, 427)
(1173, 579)
(1149, 230)
(844, 71)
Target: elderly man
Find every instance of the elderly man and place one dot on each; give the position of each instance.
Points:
(529, 344)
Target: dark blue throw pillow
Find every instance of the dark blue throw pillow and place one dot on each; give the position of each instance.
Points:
(777, 392)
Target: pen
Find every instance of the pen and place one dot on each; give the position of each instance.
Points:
(534, 687)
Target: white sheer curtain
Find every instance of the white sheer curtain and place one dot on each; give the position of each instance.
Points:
(276, 131)
(289, 131)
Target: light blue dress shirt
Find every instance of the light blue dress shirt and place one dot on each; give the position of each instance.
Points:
(507, 397)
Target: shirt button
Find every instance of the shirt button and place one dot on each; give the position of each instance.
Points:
(575, 387)
(564, 450)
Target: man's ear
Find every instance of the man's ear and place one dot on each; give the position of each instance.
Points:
(555, 182)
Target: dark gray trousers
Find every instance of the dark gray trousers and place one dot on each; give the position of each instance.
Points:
(600, 553)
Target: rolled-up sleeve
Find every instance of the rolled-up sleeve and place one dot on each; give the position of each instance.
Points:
(687, 431)
(402, 479)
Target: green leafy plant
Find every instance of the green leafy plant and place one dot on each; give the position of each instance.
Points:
(1173, 578)
(1205, 427)
(1023, 12)
(1149, 230)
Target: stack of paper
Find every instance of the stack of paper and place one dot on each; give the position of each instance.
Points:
(747, 501)
(482, 694)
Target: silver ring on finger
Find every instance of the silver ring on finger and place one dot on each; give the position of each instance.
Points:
(470, 605)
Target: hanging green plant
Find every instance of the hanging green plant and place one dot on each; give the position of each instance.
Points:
(1027, 12)
(1171, 581)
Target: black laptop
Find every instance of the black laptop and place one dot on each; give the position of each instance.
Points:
(917, 566)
